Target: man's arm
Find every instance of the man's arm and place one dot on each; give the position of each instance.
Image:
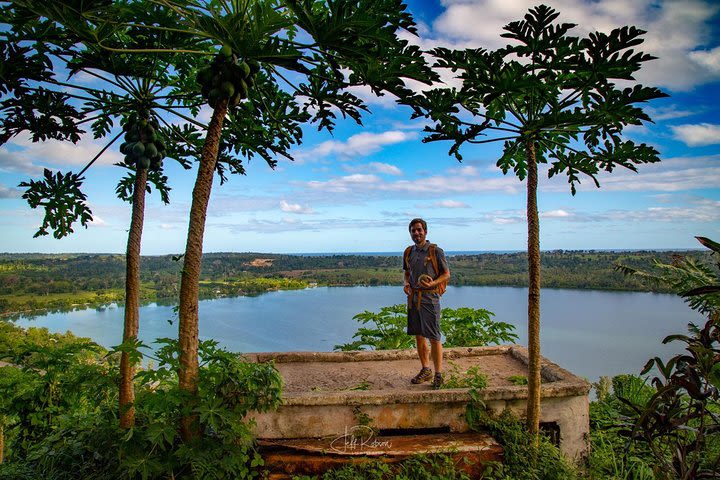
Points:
(406, 288)
(441, 278)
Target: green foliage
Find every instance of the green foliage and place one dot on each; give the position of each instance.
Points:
(470, 378)
(467, 327)
(385, 330)
(526, 457)
(550, 90)
(611, 455)
(417, 467)
(518, 379)
(679, 423)
(64, 203)
(470, 327)
(58, 406)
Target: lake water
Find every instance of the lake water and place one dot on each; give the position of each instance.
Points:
(591, 333)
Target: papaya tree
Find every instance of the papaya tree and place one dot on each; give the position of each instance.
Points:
(551, 98)
(280, 64)
(56, 38)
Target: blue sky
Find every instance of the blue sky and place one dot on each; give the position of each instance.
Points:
(356, 190)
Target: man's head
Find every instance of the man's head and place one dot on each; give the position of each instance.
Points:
(418, 230)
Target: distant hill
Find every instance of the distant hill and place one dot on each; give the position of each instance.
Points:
(30, 281)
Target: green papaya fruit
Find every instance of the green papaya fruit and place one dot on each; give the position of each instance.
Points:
(143, 162)
(150, 150)
(227, 89)
(245, 69)
(235, 100)
(123, 146)
(226, 51)
(243, 87)
(254, 66)
(138, 149)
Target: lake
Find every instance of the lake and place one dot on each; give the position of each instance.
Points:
(591, 333)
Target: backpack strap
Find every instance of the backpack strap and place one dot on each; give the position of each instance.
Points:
(432, 255)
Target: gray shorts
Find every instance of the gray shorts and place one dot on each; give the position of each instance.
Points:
(425, 322)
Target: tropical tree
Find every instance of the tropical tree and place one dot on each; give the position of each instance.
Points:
(553, 98)
(50, 39)
(280, 64)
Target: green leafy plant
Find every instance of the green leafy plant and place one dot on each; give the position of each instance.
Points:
(463, 327)
(518, 379)
(677, 419)
(470, 378)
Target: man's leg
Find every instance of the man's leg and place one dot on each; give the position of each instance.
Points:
(436, 351)
(423, 350)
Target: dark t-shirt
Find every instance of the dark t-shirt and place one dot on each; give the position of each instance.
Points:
(419, 263)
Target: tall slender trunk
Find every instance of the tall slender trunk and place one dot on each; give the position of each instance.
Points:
(2, 442)
(132, 298)
(533, 223)
(188, 334)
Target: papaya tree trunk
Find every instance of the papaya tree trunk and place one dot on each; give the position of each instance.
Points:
(132, 298)
(533, 223)
(189, 282)
(2, 442)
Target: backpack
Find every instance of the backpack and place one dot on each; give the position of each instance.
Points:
(432, 257)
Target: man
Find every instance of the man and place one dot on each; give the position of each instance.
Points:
(424, 277)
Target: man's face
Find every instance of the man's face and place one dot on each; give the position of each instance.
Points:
(417, 233)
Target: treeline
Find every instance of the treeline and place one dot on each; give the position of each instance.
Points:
(37, 281)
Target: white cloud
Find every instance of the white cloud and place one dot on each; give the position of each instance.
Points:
(18, 162)
(698, 134)
(678, 32)
(294, 208)
(555, 214)
(8, 192)
(385, 168)
(54, 153)
(668, 113)
(345, 184)
(98, 222)
(670, 175)
(709, 59)
(358, 145)
(377, 167)
(450, 204)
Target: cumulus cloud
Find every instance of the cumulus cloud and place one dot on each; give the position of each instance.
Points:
(450, 204)
(30, 157)
(358, 145)
(294, 208)
(377, 167)
(437, 185)
(670, 175)
(697, 135)
(670, 112)
(556, 214)
(385, 168)
(678, 32)
(18, 162)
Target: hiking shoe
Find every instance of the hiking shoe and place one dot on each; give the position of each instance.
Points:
(437, 381)
(424, 376)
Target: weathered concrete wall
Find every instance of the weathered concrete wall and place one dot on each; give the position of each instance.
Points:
(328, 413)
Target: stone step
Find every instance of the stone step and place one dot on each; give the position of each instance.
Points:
(314, 456)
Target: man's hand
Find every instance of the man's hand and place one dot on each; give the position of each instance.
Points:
(426, 281)
(406, 289)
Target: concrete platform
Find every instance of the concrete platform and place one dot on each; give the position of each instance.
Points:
(327, 393)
